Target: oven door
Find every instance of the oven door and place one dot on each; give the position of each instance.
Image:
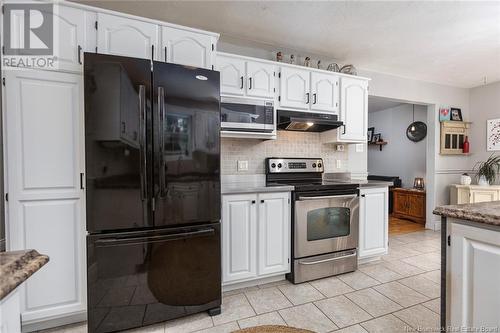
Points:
(247, 115)
(325, 224)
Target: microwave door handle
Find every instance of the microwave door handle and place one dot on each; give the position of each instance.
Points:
(142, 140)
(330, 197)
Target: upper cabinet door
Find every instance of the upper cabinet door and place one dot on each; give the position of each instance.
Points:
(260, 79)
(126, 37)
(187, 48)
(76, 35)
(295, 85)
(232, 75)
(353, 109)
(325, 92)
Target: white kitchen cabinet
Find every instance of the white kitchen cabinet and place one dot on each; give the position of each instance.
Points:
(325, 92)
(274, 233)
(373, 222)
(295, 88)
(260, 79)
(255, 236)
(129, 37)
(239, 237)
(241, 76)
(464, 194)
(43, 138)
(472, 275)
(10, 321)
(353, 109)
(187, 47)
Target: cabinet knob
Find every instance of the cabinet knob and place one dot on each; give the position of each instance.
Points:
(253, 201)
(363, 195)
(262, 201)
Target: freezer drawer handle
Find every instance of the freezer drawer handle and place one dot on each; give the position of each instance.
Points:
(142, 141)
(327, 260)
(153, 239)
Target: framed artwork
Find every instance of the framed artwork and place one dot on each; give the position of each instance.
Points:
(493, 134)
(456, 114)
(371, 131)
(444, 113)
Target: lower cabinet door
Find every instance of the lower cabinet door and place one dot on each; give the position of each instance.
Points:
(239, 237)
(373, 222)
(274, 233)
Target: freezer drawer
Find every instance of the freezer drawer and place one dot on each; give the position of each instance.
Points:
(140, 278)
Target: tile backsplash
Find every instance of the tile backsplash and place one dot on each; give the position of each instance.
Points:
(288, 144)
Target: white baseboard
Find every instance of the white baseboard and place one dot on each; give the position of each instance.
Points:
(54, 322)
(433, 225)
(252, 283)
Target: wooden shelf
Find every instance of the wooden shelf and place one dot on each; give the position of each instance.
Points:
(379, 143)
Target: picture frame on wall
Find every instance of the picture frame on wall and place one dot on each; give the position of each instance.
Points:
(371, 132)
(456, 114)
(444, 113)
(493, 134)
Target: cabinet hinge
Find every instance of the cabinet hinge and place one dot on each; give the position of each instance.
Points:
(288, 260)
(274, 73)
(449, 240)
(288, 200)
(95, 25)
(279, 98)
(279, 75)
(336, 83)
(3, 81)
(6, 196)
(213, 47)
(82, 179)
(274, 89)
(212, 67)
(3, 49)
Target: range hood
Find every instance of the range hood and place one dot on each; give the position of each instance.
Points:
(306, 121)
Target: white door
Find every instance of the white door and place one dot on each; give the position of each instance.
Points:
(126, 37)
(294, 88)
(239, 237)
(353, 109)
(187, 48)
(75, 35)
(232, 75)
(43, 138)
(473, 272)
(373, 222)
(274, 233)
(325, 92)
(260, 79)
(483, 195)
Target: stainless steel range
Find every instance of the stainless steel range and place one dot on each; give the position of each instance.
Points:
(325, 218)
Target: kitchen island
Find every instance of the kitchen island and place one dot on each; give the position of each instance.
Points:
(470, 266)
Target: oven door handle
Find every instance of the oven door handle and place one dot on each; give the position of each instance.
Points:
(329, 197)
(327, 260)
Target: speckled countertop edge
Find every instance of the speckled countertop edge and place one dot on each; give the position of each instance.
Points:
(16, 267)
(484, 212)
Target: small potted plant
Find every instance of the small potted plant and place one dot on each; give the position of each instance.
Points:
(487, 170)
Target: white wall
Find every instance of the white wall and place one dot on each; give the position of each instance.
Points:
(400, 157)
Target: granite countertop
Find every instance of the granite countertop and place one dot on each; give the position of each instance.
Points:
(483, 212)
(16, 267)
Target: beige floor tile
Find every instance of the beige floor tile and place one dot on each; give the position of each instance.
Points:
(399, 252)
(358, 280)
(422, 262)
(373, 302)
(308, 317)
(403, 268)
(300, 293)
(424, 247)
(434, 276)
(353, 329)
(422, 285)
(342, 311)
(225, 328)
(234, 308)
(419, 317)
(189, 324)
(267, 300)
(385, 324)
(331, 286)
(271, 318)
(238, 291)
(394, 241)
(434, 305)
(380, 273)
(401, 294)
(158, 328)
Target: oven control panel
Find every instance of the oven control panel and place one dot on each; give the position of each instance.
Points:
(293, 165)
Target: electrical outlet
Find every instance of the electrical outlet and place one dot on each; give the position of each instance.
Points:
(340, 148)
(338, 164)
(242, 165)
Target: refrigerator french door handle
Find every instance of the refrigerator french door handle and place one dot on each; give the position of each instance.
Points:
(106, 242)
(161, 127)
(142, 140)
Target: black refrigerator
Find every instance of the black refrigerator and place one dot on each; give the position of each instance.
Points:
(152, 182)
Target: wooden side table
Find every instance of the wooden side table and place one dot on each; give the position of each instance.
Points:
(409, 204)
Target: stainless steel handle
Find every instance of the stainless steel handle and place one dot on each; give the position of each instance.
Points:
(314, 98)
(161, 137)
(152, 239)
(142, 139)
(329, 197)
(250, 83)
(79, 54)
(241, 78)
(327, 260)
(343, 132)
(165, 54)
(307, 96)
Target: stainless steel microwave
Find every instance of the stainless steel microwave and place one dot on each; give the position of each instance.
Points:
(248, 115)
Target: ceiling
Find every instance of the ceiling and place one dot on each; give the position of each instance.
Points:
(453, 43)
(380, 103)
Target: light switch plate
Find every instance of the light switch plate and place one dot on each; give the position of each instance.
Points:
(242, 165)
